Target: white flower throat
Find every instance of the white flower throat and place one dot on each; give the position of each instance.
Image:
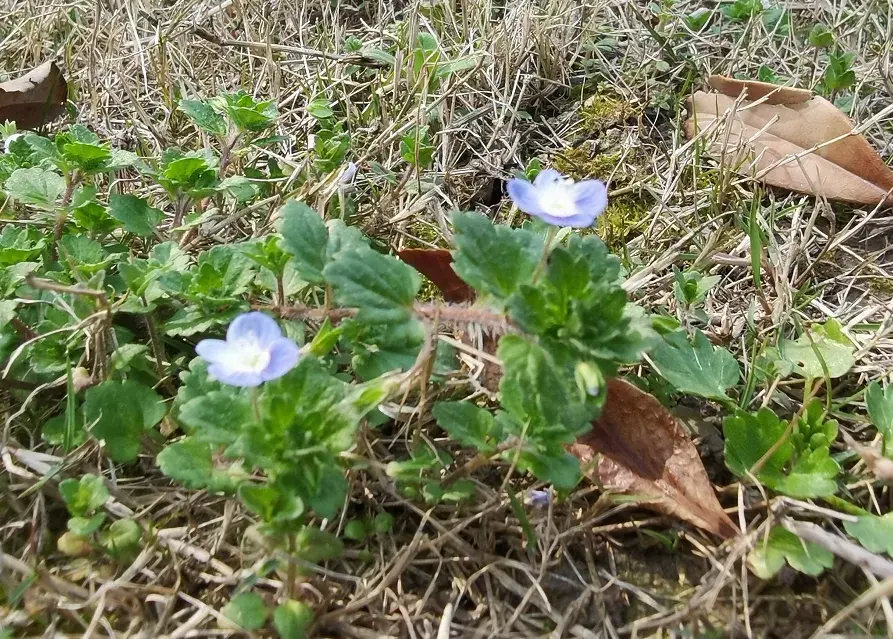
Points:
(252, 356)
(557, 198)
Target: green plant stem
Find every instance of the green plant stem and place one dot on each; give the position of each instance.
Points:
(547, 250)
(448, 313)
(292, 573)
(71, 182)
(845, 506)
(255, 396)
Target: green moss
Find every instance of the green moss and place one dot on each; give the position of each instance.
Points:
(625, 217)
(601, 112)
(579, 163)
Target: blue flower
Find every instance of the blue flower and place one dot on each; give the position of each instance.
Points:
(539, 497)
(255, 351)
(559, 200)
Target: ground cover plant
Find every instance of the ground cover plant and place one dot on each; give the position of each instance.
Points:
(441, 319)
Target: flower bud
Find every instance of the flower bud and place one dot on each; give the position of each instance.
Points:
(589, 378)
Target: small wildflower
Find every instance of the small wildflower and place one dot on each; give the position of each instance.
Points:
(559, 200)
(255, 351)
(539, 497)
(349, 173)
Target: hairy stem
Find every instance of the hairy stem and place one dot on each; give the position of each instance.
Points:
(448, 313)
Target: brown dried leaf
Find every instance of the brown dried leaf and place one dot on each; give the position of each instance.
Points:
(877, 464)
(34, 99)
(789, 123)
(644, 451)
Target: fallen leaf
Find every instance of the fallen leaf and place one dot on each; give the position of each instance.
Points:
(880, 466)
(34, 99)
(436, 265)
(762, 139)
(644, 451)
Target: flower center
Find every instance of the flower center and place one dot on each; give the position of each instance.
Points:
(557, 198)
(254, 357)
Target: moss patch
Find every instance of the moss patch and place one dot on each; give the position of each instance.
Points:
(580, 163)
(625, 218)
(601, 112)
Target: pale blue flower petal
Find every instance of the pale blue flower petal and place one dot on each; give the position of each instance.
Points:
(547, 176)
(254, 326)
(284, 356)
(213, 351)
(524, 195)
(591, 195)
(234, 377)
(581, 220)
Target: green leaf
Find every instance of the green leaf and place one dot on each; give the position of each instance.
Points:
(703, 370)
(554, 465)
(343, 238)
(320, 108)
(880, 409)
(135, 214)
(381, 348)
(315, 545)
(873, 532)
(35, 186)
(87, 156)
(748, 437)
(383, 523)
(381, 287)
(246, 113)
(7, 311)
(494, 259)
(271, 502)
(217, 417)
(468, 424)
(84, 496)
(84, 255)
(777, 20)
(53, 431)
(820, 36)
(835, 348)
(240, 188)
(537, 392)
(204, 116)
(19, 244)
(580, 310)
(122, 539)
(416, 148)
(247, 610)
(782, 545)
(813, 475)
(292, 619)
(305, 236)
(356, 530)
(120, 413)
(191, 463)
(83, 527)
(698, 19)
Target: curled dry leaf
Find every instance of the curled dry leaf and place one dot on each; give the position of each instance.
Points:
(437, 266)
(34, 99)
(640, 446)
(880, 466)
(771, 133)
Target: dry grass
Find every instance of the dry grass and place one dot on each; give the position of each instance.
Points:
(544, 68)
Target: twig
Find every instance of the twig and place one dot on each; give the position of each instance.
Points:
(843, 548)
(452, 314)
